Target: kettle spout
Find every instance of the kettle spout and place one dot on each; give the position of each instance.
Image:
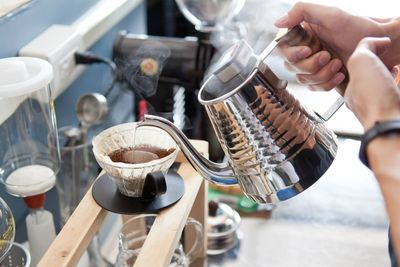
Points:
(217, 173)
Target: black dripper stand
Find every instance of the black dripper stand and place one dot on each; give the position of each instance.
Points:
(159, 192)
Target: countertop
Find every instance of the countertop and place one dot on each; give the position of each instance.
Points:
(339, 221)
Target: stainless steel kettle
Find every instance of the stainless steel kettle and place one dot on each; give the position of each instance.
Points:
(275, 147)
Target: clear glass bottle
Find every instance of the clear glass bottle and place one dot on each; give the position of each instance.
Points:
(29, 156)
(29, 149)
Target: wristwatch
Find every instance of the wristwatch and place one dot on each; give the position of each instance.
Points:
(380, 128)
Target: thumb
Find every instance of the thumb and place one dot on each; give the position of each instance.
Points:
(378, 46)
(367, 49)
(311, 13)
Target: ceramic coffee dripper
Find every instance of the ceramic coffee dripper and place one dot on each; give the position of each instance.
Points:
(275, 147)
(134, 233)
(130, 178)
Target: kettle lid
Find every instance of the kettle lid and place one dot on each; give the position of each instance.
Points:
(229, 72)
(222, 219)
(23, 75)
(222, 228)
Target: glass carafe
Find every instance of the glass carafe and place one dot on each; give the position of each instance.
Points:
(134, 233)
(29, 157)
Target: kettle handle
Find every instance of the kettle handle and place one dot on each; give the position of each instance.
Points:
(299, 36)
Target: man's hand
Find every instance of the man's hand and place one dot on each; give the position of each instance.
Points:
(371, 93)
(338, 30)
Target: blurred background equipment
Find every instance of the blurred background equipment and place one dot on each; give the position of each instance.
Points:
(79, 168)
(7, 229)
(91, 109)
(177, 64)
(222, 226)
(17, 256)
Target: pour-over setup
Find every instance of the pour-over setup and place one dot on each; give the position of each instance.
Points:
(275, 147)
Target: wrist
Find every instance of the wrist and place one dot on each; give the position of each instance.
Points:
(390, 26)
(379, 130)
(369, 121)
(383, 154)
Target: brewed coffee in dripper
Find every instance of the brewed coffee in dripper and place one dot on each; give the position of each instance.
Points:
(128, 154)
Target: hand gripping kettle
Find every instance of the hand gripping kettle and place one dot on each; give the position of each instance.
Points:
(274, 146)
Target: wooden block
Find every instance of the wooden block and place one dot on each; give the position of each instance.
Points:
(164, 236)
(199, 212)
(70, 244)
(228, 189)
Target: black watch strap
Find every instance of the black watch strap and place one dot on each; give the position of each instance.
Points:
(379, 129)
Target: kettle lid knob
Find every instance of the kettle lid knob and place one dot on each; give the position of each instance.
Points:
(229, 72)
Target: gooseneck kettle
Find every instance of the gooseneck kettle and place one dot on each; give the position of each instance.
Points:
(275, 147)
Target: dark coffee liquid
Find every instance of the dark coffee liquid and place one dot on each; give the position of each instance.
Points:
(136, 155)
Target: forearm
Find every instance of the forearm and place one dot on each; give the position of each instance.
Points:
(384, 157)
(392, 29)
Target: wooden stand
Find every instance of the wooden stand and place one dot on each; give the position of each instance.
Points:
(74, 238)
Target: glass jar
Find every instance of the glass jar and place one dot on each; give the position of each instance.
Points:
(29, 154)
(134, 233)
(78, 170)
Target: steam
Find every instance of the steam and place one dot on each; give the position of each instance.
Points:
(144, 67)
(254, 23)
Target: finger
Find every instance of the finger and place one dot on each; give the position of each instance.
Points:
(312, 13)
(324, 75)
(396, 74)
(312, 64)
(367, 49)
(376, 45)
(290, 67)
(332, 83)
(294, 53)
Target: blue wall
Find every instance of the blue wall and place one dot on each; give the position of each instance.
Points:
(19, 30)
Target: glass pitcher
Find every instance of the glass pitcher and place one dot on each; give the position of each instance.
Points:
(134, 233)
(29, 156)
